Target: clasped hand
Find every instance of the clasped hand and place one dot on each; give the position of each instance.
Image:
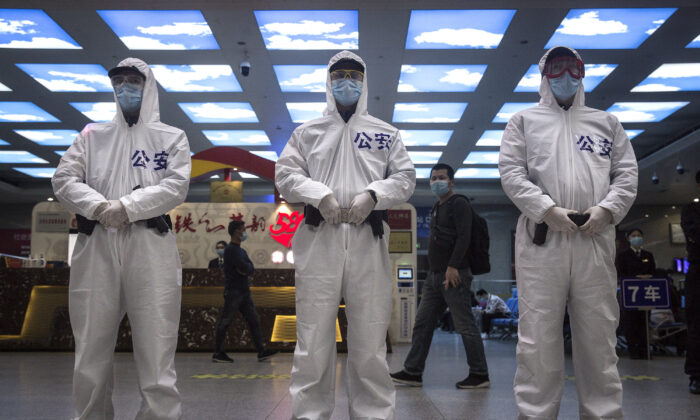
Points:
(112, 215)
(557, 218)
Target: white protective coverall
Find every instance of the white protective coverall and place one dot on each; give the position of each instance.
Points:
(133, 270)
(325, 156)
(573, 159)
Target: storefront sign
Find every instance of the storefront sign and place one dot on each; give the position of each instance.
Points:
(400, 219)
(400, 242)
(52, 222)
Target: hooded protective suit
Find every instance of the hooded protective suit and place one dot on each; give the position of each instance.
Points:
(133, 270)
(575, 159)
(325, 156)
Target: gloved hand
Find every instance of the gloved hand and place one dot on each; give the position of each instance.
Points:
(114, 217)
(557, 220)
(330, 209)
(360, 207)
(99, 210)
(599, 220)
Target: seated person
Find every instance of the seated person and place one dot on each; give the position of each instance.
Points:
(495, 308)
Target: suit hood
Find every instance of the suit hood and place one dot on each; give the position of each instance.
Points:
(150, 110)
(361, 108)
(546, 96)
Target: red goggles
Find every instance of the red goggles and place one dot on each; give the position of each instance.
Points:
(557, 66)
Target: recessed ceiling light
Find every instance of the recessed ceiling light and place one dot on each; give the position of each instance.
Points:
(644, 111)
(161, 29)
(219, 112)
(414, 138)
(490, 138)
(477, 173)
(677, 77)
(608, 28)
(510, 108)
(19, 156)
(49, 137)
(24, 112)
(69, 77)
(269, 155)
(440, 78)
(37, 172)
(457, 29)
(196, 78)
(34, 29)
(308, 29)
(424, 157)
(301, 112)
(294, 78)
(237, 137)
(481, 158)
(429, 112)
(96, 111)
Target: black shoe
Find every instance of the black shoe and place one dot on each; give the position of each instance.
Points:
(221, 358)
(694, 386)
(474, 381)
(403, 378)
(266, 354)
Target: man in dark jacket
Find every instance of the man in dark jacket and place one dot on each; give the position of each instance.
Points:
(237, 268)
(690, 222)
(447, 285)
(635, 262)
(218, 262)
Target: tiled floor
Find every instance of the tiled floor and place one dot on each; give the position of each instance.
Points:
(38, 386)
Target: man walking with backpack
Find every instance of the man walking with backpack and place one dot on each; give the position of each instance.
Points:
(447, 285)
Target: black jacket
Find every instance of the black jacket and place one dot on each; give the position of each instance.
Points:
(215, 263)
(237, 267)
(454, 215)
(629, 264)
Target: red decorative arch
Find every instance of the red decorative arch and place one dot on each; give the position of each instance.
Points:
(225, 157)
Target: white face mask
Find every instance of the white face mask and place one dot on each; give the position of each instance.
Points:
(244, 236)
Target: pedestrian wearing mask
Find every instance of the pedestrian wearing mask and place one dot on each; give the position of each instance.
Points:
(448, 285)
(635, 262)
(218, 262)
(237, 269)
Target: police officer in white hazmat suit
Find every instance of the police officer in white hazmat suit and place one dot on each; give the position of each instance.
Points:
(558, 159)
(125, 174)
(350, 166)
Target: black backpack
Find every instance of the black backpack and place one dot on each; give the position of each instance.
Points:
(478, 253)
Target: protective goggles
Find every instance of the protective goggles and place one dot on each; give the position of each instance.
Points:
(131, 79)
(557, 66)
(341, 74)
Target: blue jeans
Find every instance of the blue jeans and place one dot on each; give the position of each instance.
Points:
(432, 305)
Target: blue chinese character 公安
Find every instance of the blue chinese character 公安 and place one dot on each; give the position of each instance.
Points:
(383, 140)
(605, 147)
(161, 161)
(585, 144)
(139, 159)
(363, 142)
